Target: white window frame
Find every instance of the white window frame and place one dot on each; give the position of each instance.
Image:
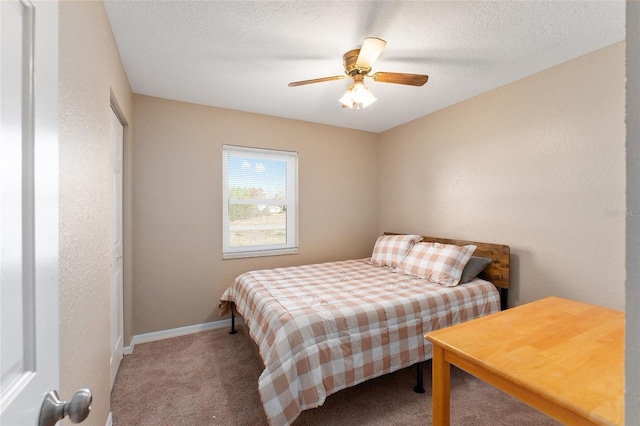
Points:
(291, 201)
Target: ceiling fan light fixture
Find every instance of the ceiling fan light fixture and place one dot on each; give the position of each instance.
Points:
(359, 92)
(346, 100)
(368, 99)
(357, 95)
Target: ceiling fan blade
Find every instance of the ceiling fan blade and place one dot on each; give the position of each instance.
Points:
(401, 78)
(315, 80)
(369, 52)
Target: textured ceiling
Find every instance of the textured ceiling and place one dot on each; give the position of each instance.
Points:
(242, 54)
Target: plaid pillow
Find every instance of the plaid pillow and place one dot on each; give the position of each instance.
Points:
(438, 263)
(391, 249)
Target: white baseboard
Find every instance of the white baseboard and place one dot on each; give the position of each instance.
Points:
(109, 419)
(181, 331)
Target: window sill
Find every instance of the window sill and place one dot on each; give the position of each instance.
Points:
(259, 253)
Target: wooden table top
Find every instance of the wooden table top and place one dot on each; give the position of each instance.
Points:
(570, 352)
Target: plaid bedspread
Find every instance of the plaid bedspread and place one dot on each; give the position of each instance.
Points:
(324, 327)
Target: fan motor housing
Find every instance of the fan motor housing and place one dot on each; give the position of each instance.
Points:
(349, 61)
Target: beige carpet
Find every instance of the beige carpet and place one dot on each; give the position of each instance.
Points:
(211, 378)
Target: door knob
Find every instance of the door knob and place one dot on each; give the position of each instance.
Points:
(54, 410)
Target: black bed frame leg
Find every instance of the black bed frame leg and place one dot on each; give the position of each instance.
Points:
(419, 387)
(504, 299)
(233, 321)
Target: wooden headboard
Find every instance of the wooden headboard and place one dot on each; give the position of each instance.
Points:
(497, 272)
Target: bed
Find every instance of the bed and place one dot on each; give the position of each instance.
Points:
(325, 327)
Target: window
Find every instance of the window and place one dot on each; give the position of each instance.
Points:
(259, 198)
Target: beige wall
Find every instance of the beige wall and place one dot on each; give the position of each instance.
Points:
(538, 165)
(91, 76)
(177, 234)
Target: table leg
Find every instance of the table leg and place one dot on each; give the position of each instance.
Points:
(441, 388)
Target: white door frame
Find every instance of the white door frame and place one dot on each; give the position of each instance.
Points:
(117, 272)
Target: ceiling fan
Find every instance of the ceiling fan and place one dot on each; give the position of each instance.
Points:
(357, 65)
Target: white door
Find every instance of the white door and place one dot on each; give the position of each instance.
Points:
(28, 207)
(117, 329)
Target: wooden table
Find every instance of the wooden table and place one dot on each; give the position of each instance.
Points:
(562, 357)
